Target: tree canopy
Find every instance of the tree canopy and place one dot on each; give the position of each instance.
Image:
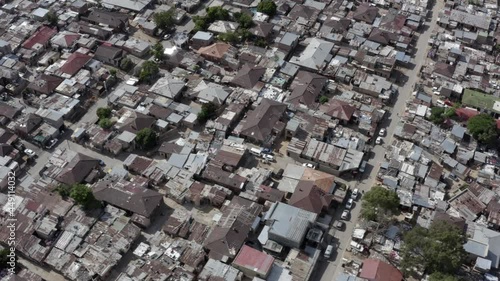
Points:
(379, 201)
(52, 18)
(103, 112)
(126, 64)
(438, 249)
(267, 7)
(229, 37)
(245, 20)
(213, 14)
(208, 111)
(83, 195)
(157, 51)
(164, 20)
(483, 128)
(146, 138)
(148, 71)
(323, 99)
(105, 123)
(438, 276)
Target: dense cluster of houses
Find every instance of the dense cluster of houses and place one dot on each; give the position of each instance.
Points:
(319, 83)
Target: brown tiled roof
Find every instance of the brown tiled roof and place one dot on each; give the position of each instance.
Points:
(5, 149)
(365, 13)
(309, 197)
(216, 50)
(377, 270)
(160, 112)
(231, 232)
(42, 36)
(338, 109)
(248, 76)
(381, 36)
(77, 169)
(75, 62)
(444, 69)
(141, 121)
(260, 121)
(142, 201)
(306, 88)
(262, 29)
(111, 19)
(105, 51)
(8, 111)
(45, 84)
(302, 11)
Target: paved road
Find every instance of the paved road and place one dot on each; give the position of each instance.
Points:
(330, 270)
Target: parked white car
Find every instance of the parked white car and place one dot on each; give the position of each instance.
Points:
(349, 204)
(381, 132)
(30, 153)
(355, 194)
(378, 140)
(345, 215)
(309, 165)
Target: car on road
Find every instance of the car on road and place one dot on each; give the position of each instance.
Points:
(267, 151)
(355, 194)
(381, 132)
(102, 163)
(362, 167)
(378, 140)
(345, 215)
(167, 36)
(349, 204)
(339, 225)
(269, 157)
(309, 165)
(51, 143)
(328, 251)
(30, 153)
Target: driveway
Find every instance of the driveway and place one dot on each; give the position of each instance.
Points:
(330, 270)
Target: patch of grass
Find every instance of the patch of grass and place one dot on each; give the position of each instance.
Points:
(478, 100)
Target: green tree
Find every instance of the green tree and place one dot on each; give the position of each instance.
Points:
(200, 23)
(83, 195)
(437, 115)
(164, 20)
(438, 249)
(103, 112)
(483, 128)
(4, 259)
(52, 18)
(157, 51)
(208, 111)
(261, 42)
(438, 276)
(217, 13)
(229, 37)
(126, 64)
(378, 202)
(64, 190)
(267, 7)
(113, 72)
(146, 138)
(148, 71)
(245, 20)
(105, 123)
(323, 99)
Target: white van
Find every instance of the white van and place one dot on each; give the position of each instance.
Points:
(256, 151)
(328, 251)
